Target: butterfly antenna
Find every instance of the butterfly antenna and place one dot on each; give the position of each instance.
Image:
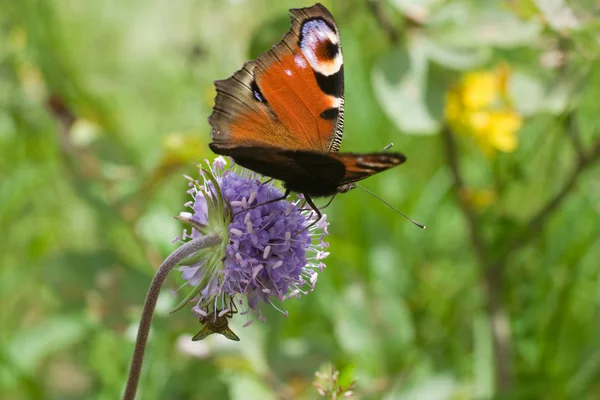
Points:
(388, 146)
(392, 207)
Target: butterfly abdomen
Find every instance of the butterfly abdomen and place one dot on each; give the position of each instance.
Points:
(312, 188)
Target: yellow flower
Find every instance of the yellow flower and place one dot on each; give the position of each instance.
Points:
(479, 90)
(503, 126)
(479, 122)
(479, 198)
(479, 106)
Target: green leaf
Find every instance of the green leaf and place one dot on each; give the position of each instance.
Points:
(354, 329)
(419, 10)
(530, 96)
(32, 345)
(249, 387)
(434, 388)
(558, 14)
(457, 58)
(400, 88)
(269, 33)
(470, 24)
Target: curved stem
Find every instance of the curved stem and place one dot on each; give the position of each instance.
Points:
(171, 261)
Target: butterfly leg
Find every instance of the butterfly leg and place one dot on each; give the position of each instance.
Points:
(285, 195)
(322, 208)
(267, 181)
(315, 209)
(329, 202)
(233, 307)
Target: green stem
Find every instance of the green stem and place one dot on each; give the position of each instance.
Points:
(150, 303)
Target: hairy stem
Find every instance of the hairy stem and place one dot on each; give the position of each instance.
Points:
(170, 262)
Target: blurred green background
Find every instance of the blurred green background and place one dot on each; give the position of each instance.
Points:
(103, 107)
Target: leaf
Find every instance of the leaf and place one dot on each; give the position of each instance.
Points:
(433, 388)
(530, 96)
(559, 16)
(248, 387)
(416, 9)
(391, 281)
(454, 57)
(400, 88)
(269, 33)
(350, 328)
(468, 25)
(53, 335)
(353, 328)
(430, 198)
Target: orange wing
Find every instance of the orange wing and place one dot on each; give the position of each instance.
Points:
(291, 97)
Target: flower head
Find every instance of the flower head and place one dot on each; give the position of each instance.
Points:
(479, 106)
(330, 384)
(266, 251)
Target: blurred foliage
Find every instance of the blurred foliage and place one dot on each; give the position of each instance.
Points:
(103, 107)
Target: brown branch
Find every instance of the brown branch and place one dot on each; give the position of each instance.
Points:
(538, 221)
(493, 267)
(474, 231)
(492, 277)
(384, 21)
(573, 135)
(410, 21)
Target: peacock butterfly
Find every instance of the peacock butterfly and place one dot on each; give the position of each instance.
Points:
(282, 115)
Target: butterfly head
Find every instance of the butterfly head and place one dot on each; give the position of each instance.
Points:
(346, 188)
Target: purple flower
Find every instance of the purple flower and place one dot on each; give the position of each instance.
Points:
(266, 251)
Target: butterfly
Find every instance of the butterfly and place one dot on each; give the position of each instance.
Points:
(282, 115)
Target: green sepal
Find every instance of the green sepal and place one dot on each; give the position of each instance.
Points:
(187, 299)
(219, 196)
(189, 221)
(193, 259)
(207, 277)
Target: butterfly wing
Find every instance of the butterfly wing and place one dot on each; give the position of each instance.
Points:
(314, 173)
(290, 97)
(360, 166)
(282, 114)
(302, 171)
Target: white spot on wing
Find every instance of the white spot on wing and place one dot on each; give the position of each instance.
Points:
(314, 33)
(300, 61)
(288, 72)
